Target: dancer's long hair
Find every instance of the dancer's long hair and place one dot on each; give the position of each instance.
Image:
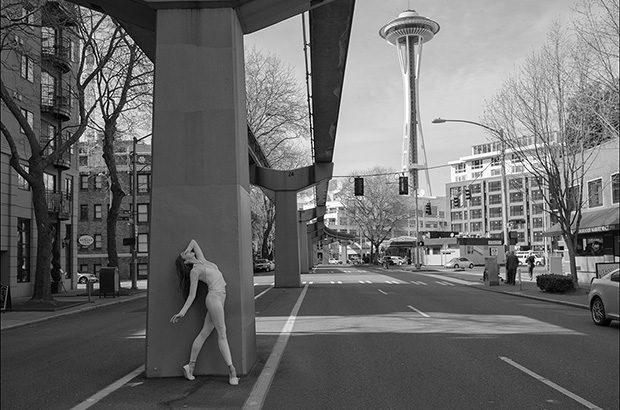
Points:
(183, 271)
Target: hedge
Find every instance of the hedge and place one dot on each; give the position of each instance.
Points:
(554, 283)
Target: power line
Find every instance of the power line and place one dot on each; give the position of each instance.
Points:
(388, 173)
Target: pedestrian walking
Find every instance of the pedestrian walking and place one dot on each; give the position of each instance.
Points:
(531, 261)
(192, 267)
(512, 263)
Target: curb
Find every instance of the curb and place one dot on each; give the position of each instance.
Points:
(80, 309)
(522, 295)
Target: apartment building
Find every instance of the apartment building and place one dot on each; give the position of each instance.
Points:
(39, 59)
(95, 199)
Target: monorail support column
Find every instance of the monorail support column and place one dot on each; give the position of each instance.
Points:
(200, 187)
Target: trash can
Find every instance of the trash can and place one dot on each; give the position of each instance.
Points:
(109, 282)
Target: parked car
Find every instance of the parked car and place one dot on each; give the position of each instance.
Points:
(264, 265)
(459, 263)
(334, 261)
(86, 277)
(603, 298)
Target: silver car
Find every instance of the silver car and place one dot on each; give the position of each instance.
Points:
(603, 298)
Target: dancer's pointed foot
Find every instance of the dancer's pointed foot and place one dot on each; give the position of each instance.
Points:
(187, 371)
(233, 380)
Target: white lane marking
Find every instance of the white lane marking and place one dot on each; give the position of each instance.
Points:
(362, 282)
(385, 293)
(551, 384)
(110, 389)
(340, 282)
(445, 283)
(419, 311)
(263, 292)
(332, 282)
(368, 282)
(261, 387)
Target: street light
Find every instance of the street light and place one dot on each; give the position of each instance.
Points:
(500, 134)
(134, 213)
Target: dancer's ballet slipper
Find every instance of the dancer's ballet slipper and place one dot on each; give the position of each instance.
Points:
(188, 372)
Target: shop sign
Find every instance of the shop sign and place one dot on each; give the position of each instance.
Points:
(86, 240)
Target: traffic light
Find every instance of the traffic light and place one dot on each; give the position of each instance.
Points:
(456, 202)
(359, 186)
(403, 186)
(467, 194)
(428, 209)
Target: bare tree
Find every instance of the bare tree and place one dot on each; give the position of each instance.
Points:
(596, 25)
(82, 24)
(278, 116)
(121, 88)
(546, 130)
(380, 211)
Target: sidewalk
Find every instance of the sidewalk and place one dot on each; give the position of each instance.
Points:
(524, 288)
(70, 302)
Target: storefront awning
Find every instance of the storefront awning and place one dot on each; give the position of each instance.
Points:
(592, 221)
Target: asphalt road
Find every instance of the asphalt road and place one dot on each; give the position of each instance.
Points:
(362, 339)
(59, 363)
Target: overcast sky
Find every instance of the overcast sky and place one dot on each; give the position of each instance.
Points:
(479, 43)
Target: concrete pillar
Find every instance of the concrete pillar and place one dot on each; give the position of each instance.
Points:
(288, 265)
(303, 246)
(200, 187)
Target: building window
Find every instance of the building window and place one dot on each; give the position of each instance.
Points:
(48, 40)
(516, 197)
(476, 227)
(98, 211)
(476, 201)
(496, 161)
(457, 227)
(495, 225)
(84, 182)
(536, 195)
(21, 181)
(29, 119)
(49, 181)
(516, 210)
(48, 89)
(96, 269)
(495, 212)
(456, 216)
(475, 188)
(495, 186)
(83, 267)
(83, 212)
(459, 168)
(495, 199)
(23, 250)
(476, 164)
(144, 183)
(143, 270)
(28, 14)
(475, 214)
(97, 243)
(615, 188)
(143, 212)
(515, 184)
(537, 223)
(27, 68)
(143, 242)
(538, 236)
(538, 209)
(595, 193)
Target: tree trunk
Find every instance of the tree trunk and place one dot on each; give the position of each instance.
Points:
(117, 193)
(45, 236)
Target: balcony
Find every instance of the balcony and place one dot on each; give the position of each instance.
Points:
(58, 57)
(58, 105)
(59, 204)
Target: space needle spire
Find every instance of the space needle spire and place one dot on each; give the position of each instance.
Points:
(408, 32)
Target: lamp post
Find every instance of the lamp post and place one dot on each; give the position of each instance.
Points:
(500, 134)
(134, 213)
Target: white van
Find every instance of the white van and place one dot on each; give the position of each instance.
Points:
(523, 255)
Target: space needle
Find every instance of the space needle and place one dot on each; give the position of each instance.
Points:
(408, 32)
